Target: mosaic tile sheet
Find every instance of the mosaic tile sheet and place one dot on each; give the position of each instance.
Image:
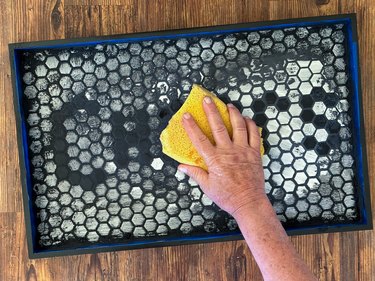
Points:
(94, 117)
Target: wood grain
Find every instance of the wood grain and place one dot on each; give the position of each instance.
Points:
(335, 256)
(9, 173)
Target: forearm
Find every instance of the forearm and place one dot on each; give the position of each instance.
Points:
(270, 245)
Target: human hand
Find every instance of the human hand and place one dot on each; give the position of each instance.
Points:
(235, 182)
(235, 177)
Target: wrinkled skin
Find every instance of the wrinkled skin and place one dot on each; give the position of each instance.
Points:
(235, 177)
(235, 182)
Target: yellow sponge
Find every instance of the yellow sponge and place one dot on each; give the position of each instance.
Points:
(174, 139)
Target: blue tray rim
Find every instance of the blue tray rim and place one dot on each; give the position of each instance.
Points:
(359, 144)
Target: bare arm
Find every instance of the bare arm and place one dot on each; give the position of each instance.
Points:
(235, 182)
(269, 244)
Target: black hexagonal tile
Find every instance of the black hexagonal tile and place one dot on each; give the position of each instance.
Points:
(258, 106)
(318, 94)
(322, 148)
(270, 98)
(320, 121)
(333, 141)
(331, 100)
(306, 101)
(333, 126)
(260, 119)
(282, 104)
(307, 115)
(309, 142)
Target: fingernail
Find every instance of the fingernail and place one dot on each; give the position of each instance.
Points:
(182, 169)
(187, 115)
(207, 100)
(230, 105)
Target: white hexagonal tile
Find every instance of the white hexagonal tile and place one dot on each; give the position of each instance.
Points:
(295, 109)
(308, 129)
(317, 80)
(300, 178)
(293, 82)
(246, 100)
(292, 68)
(285, 131)
(287, 158)
(157, 164)
(299, 164)
(304, 74)
(305, 88)
(273, 126)
(319, 108)
(284, 117)
(316, 66)
(273, 139)
(297, 137)
(321, 135)
(271, 112)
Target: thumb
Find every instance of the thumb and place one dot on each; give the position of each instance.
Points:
(196, 173)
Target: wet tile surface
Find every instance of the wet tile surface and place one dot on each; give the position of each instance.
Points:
(94, 116)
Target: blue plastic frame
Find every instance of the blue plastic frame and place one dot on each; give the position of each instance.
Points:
(349, 20)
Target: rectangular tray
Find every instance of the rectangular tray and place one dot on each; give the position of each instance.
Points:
(89, 112)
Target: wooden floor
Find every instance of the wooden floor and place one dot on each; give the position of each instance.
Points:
(339, 256)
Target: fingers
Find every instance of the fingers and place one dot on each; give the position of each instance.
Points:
(218, 128)
(253, 133)
(196, 173)
(240, 135)
(197, 137)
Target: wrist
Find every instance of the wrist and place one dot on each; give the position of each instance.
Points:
(261, 205)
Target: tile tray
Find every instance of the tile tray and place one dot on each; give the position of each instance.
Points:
(94, 178)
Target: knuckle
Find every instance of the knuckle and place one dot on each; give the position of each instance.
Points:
(213, 112)
(202, 138)
(236, 158)
(220, 129)
(241, 129)
(194, 127)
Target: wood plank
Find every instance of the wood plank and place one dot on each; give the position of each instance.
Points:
(15, 265)
(155, 15)
(119, 19)
(159, 15)
(12, 246)
(83, 21)
(196, 12)
(18, 24)
(190, 262)
(349, 249)
(303, 8)
(366, 24)
(366, 259)
(320, 253)
(35, 20)
(93, 2)
(10, 191)
(10, 185)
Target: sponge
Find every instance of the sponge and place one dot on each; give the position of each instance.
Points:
(175, 141)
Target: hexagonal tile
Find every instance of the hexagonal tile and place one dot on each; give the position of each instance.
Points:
(127, 227)
(138, 219)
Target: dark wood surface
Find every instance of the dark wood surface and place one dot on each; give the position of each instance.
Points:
(338, 256)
